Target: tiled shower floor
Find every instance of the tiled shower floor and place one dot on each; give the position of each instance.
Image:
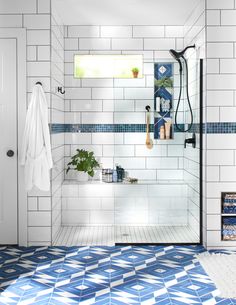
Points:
(109, 235)
(105, 276)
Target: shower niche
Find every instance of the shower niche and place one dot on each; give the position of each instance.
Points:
(163, 101)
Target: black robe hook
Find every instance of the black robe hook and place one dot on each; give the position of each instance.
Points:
(60, 90)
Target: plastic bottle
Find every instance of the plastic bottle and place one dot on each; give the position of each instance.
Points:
(114, 175)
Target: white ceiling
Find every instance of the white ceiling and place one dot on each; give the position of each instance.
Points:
(124, 12)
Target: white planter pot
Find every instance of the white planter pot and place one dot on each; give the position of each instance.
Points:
(82, 176)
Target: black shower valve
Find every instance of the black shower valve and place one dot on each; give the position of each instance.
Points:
(190, 141)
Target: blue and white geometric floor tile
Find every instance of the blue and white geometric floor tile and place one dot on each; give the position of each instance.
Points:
(105, 276)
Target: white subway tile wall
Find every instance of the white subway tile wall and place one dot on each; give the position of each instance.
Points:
(194, 33)
(35, 17)
(45, 51)
(119, 101)
(109, 204)
(57, 116)
(45, 63)
(122, 101)
(220, 106)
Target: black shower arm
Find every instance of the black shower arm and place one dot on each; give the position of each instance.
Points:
(182, 55)
(188, 47)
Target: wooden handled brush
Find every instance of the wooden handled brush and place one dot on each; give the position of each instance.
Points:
(149, 142)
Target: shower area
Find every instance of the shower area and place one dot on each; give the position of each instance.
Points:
(146, 125)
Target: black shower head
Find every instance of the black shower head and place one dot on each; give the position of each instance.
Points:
(175, 54)
(178, 55)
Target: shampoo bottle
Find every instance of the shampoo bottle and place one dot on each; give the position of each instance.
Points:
(162, 132)
(167, 129)
(158, 104)
(114, 175)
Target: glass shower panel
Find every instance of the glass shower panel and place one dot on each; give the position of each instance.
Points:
(192, 155)
(158, 201)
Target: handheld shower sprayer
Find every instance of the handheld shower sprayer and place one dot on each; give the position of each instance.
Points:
(177, 56)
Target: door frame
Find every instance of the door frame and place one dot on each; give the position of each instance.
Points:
(19, 35)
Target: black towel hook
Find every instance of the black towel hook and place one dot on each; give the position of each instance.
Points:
(148, 108)
(60, 90)
(39, 83)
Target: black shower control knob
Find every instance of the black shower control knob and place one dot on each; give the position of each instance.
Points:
(10, 153)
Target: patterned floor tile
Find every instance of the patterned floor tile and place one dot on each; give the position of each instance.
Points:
(161, 301)
(114, 273)
(42, 296)
(221, 301)
(145, 275)
(137, 288)
(83, 287)
(59, 271)
(42, 257)
(87, 258)
(25, 286)
(161, 270)
(14, 271)
(185, 288)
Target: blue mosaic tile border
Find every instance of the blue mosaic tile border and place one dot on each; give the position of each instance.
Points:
(116, 128)
(196, 128)
(57, 128)
(223, 127)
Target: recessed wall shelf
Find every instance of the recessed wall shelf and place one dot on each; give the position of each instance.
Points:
(228, 216)
(163, 101)
(108, 66)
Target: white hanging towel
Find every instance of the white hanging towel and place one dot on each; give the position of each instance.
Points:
(36, 150)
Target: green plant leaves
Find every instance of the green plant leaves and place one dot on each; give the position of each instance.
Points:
(83, 161)
(165, 82)
(135, 70)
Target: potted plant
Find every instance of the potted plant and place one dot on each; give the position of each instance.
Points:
(165, 82)
(135, 72)
(85, 163)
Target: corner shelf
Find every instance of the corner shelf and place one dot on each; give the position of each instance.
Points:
(228, 220)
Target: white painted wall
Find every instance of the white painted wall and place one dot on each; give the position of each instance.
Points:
(125, 12)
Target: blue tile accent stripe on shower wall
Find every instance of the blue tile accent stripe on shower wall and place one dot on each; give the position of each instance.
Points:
(223, 127)
(57, 128)
(227, 127)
